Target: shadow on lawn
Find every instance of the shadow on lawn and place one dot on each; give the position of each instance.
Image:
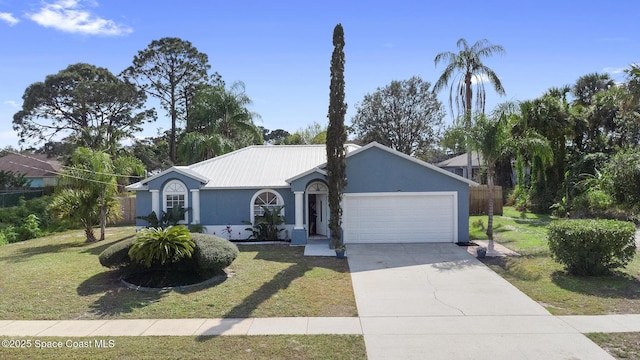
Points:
(96, 248)
(117, 299)
(300, 265)
(615, 285)
(26, 253)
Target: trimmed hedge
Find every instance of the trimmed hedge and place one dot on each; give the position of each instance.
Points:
(592, 247)
(212, 254)
(117, 255)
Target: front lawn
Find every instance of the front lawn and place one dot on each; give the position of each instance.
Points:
(185, 347)
(545, 281)
(59, 277)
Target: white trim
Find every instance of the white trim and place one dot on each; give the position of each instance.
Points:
(299, 196)
(195, 207)
(155, 202)
(308, 172)
(255, 196)
(453, 194)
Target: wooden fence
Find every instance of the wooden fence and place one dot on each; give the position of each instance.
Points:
(478, 199)
(128, 207)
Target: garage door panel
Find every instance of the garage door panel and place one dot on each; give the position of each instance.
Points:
(392, 217)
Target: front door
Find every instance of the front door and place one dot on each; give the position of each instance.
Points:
(322, 212)
(318, 209)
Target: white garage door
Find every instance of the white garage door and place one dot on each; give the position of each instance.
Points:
(400, 217)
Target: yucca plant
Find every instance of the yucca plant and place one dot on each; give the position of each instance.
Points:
(161, 246)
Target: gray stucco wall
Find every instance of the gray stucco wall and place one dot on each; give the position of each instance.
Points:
(233, 206)
(377, 170)
(143, 206)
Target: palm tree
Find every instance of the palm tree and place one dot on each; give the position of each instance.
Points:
(492, 136)
(88, 191)
(466, 68)
(88, 194)
(218, 122)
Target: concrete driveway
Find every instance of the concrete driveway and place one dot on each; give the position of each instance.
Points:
(436, 301)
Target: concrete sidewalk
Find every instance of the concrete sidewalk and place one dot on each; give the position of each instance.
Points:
(372, 325)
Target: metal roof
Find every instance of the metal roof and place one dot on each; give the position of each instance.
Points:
(269, 166)
(258, 166)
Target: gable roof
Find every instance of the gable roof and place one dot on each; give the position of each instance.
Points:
(258, 166)
(461, 161)
(31, 165)
(271, 166)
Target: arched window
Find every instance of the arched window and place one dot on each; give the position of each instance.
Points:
(269, 199)
(175, 195)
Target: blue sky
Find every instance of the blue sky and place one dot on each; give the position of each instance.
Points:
(281, 49)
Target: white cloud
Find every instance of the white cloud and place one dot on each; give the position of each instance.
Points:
(477, 79)
(12, 103)
(614, 70)
(8, 18)
(68, 16)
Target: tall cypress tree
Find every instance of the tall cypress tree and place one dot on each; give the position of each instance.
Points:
(336, 137)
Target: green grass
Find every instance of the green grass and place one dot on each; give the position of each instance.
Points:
(537, 275)
(619, 345)
(182, 347)
(524, 233)
(59, 277)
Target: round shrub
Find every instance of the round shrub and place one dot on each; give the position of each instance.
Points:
(116, 255)
(212, 254)
(592, 247)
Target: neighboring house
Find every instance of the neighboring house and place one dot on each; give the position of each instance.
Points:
(37, 168)
(458, 165)
(390, 196)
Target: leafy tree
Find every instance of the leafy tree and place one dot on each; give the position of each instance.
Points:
(218, 122)
(589, 85)
(336, 137)
(312, 134)
(152, 151)
(277, 136)
(463, 69)
(171, 69)
(90, 104)
(454, 140)
(404, 115)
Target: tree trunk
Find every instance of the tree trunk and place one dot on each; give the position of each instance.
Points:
(88, 233)
(103, 222)
(467, 114)
(490, 204)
